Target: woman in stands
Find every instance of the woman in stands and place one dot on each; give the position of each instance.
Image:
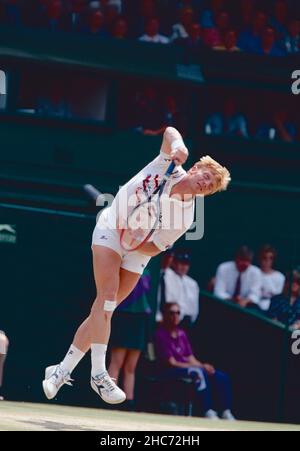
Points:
(117, 272)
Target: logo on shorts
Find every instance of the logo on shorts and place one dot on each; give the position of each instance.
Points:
(103, 237)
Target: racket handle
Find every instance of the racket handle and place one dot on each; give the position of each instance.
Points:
(92, 192)
(170, 170)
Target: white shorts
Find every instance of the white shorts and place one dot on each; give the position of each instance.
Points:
(3, 344)
(107, 237)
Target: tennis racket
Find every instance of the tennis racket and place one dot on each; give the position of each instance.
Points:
(144, 218)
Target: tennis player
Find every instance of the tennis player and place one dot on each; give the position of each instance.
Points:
(117, 271)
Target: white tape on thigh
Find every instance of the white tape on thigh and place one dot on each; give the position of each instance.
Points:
(110, 306)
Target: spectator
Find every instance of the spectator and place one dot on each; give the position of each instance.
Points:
(286, 307)
(120, 29)
(54, 15)
(268, 44)
(211, 37)
(250, 39)
(230, 122)
(278, 129)
(149, 114)
(147, 11)
(76, 14)
(182, 289)
(194, 41)
(3, 352)
(129, 336)
(172, 114)
(152, 33)
(291, 41)
(95, 26)
(166, 263)
(111, 15)
(279, 18)
(245, 14)
(181, 30)
(222, 23)
(272, 281)
(229, 42)
(239, 280)
(176, 360)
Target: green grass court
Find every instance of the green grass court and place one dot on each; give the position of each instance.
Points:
(46, 417)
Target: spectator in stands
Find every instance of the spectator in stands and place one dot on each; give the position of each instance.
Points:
(239, 280)
(291, 41)
(245, 14)
(111, 16)
(76, 14)
(272, 281)
(166, 263)
(120, 29)
(3, 352)
(194, 42)
(222, 21)
(147, 11)
(286, 307)
(229, 122)
(229, 42)
(280, 128)
(181, 288)
(181, 30)
(250, 39)
(268, 44)
(96, 26)
(54, 19)
(129, 336)
(176, 360)
(152, 33)
(149, 113)
(279, 18)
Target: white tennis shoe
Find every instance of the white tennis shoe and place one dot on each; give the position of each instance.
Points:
(55, 378)
(107, 389)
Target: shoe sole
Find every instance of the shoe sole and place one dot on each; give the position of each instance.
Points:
(44, 384)
(48, 371)
(108, 402)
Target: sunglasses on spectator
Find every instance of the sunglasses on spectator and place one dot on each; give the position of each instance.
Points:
(174, 312)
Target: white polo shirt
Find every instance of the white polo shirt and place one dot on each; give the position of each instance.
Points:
(185, 291)
(226, 279)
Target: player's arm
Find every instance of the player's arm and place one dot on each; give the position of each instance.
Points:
(174, 146)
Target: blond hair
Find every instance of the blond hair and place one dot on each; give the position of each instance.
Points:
(221, 174)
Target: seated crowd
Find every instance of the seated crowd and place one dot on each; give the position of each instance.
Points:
(246, 26)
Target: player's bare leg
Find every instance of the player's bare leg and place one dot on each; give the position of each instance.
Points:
(94, 332)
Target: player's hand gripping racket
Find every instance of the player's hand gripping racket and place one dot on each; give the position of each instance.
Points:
(144, 218)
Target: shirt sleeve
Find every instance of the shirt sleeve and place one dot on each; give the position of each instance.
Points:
(220, 290)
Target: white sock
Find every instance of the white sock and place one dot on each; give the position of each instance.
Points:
(98, 359)
(73, 357)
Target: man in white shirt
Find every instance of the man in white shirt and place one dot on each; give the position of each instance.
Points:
(152, 33)
(180, 288)
(239, 280)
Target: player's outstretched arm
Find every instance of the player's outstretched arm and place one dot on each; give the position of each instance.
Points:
(174, 146)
